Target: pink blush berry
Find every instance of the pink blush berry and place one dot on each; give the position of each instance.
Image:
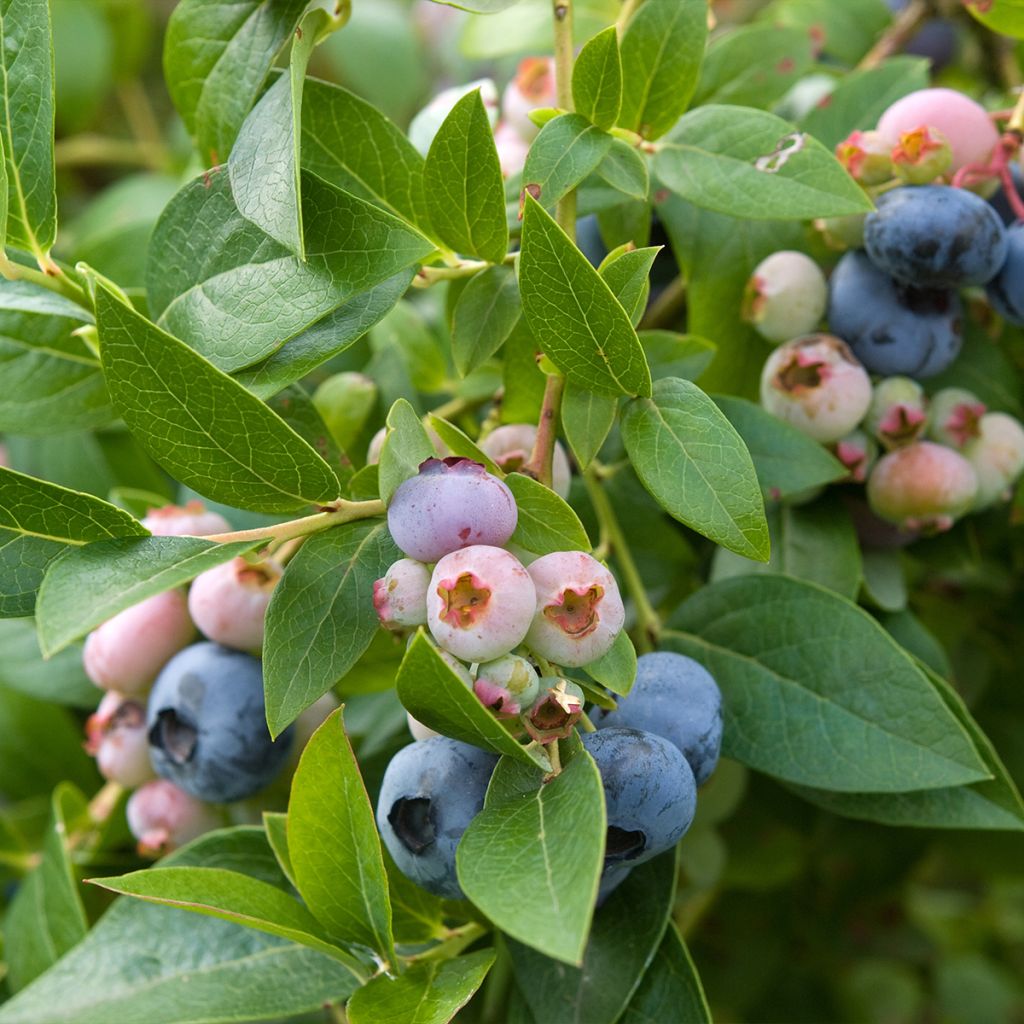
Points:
(122, 751)
(128, 651)
(579, 609)
(191, 520)
(532, 88)
(163, 817)
(480, 603)
(450, 504)
(508, 686)
(512, 149)
(512, 445)
(229, 602)
(400, 595)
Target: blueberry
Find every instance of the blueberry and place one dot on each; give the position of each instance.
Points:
(1001, 204)
(893, 328)
(400, 595)
(785, 296)
(432, 790)
(649, 791)
(207, 725)
(676, 698)
(1006, 289)
(934, 236)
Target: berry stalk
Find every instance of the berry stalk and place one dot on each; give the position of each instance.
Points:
(335, 514)
(542, 457)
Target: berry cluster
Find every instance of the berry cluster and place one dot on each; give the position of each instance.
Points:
(894, 311)
(653, 750)
(183, 722)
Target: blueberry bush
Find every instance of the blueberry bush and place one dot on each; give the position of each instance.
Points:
(510, 511)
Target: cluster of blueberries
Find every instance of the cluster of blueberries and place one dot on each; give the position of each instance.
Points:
(507, 624)
(183, 721)
(894, 311)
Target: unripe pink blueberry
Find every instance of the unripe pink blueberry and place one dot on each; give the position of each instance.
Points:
(579, 609)
(377, 443)
(923, 486)
(785, 296)
(966, 125)
(532, 88)
(922, 155)
(816, 384)
(400, 595)
(511, 445)
(866, 157)
(512, 149)
(480, 603)
(896, 415)
(508, 685)
(997, 455)
(857, 452)
(229, 602)
(190, 520)
(127, 652)
(163, 817)
(955, 417)
(116, 737)
(556, 710)
(450, 504)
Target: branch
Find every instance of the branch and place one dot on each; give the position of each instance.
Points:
(565, 210)
(897, 35)
(335, 514)
(539, 464)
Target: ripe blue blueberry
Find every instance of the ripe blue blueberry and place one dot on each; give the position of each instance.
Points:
(1006, 289)
(933, 236)
(678, 699)
(893, 328)
(431, 791)
(207, 725)
(649, 792)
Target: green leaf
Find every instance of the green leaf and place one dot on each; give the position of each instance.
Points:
(164, 966)
(616, 670)
(406, 446)
(199, 424)
(427, 993)
(46, 916)
(748, 163)
(670, 988)
(531, 859)
(661, 52)
(913, 636)
(275, 824)
(567, 149)
(485, 314)
(478, 7)
(884, 582)
(335, 849)
(597, 80)
(787, 461)
(234, 294)
(677, 355)
(230, 896)
(418, 916)
(843, 32)
(625, 170)
(351, 144)
(695, 464)
(465, 193)
(546, 522)
(321, 619)
(574, 315)
(754, 65)
(60, 680)
(628, 276)
(815, 542)
(1004, 16)
(626, 933)
(432, 693)
(117, 574)
(861, 97)
(459, 444)
(52, 382)
(217, 54)
(817, 693)
(38, 520)
(587, 419)
(26, 129)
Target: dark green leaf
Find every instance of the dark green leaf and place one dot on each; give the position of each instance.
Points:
(817, 693)
(670, 988)
(531, 859)
(418, 916)
(485, 314)
(117, 574)
(597, 80)
(459, 444)
(199, 424)
(677, 355)
(844, 32)
(406, 446)
(60, 680)
(587, 419)
(628, 276)
(748, 163)
(462, 178)
(427, 993)
(884, 582)
(625, 170)
(573, 314)
(546, 522)
(567, 149)
(334, 846)
(616, 670)
(661, 56)
(696, 465)
(217, 54)
(321, 618)
(435, 696)
(913, 636)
